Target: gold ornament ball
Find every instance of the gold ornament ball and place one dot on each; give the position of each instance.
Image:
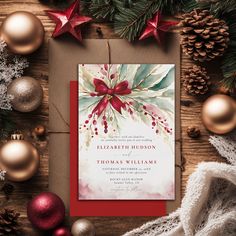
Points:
(83, 227)
(23, 32)
(19, 158)
(27, 94)
(219, 114)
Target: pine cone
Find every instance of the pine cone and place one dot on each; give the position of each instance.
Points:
(203, 37)
(8, 222)
(193, 132)
(196, 80)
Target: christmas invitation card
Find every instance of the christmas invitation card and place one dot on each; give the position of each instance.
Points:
(126, 129)
(119, 140)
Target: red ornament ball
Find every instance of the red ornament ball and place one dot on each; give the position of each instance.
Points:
(46, 211)
(62, 231)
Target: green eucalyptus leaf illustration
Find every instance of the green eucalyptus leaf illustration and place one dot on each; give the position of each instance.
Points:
(142, 73)
(166, 81)
(87, 102)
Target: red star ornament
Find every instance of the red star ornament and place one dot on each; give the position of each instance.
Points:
(157, 28)
(68, 20)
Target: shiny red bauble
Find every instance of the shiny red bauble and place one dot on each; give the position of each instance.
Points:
(62, 231)
(46, 211)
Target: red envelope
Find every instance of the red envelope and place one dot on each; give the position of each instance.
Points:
(100, 207)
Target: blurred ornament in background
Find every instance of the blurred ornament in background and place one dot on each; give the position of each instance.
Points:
(19, 158)
(83, 227)
(27, 94)
(62, 231)
(219, 114)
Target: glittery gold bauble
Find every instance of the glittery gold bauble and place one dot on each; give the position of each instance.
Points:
(83, 227)
(19, 158)
(27, 94)
(23, 32)
(219, 114)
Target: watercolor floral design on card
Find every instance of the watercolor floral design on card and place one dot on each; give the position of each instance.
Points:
(111, 92)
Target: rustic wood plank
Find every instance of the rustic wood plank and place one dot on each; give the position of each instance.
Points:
(194, 151)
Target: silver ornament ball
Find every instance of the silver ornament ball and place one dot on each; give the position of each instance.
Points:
(27, 94)
(83, 227)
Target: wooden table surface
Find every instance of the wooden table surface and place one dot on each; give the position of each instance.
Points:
(193, 150)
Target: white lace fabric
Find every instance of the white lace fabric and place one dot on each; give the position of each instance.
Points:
(225, 145)
(209, 205)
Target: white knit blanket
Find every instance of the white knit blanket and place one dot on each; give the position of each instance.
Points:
(208, 207)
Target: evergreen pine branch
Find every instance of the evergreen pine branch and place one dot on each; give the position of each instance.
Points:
(103, 9)
(230, 82)
(229, 68)
(227, 10)
(189, 5)
(99, 9)
(130, 22)
(223, 8)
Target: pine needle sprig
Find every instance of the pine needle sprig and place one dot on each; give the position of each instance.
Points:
(103, 9)
(223, 8)
(130, 16)
(100, 9)
(130, 22)
(189, 5)
(229, 69)
(227, 11)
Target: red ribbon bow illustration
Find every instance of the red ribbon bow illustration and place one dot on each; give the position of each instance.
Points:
(109, 95)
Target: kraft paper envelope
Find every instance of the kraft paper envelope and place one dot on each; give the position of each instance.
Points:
(64, 56)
